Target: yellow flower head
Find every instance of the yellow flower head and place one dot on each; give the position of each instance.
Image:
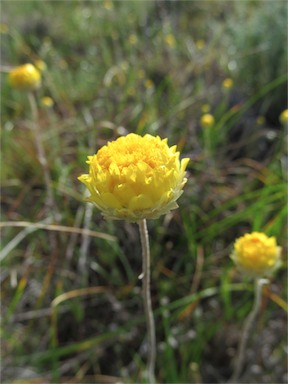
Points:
(205, 108)
(256, 254)
(148, 84)
(207, 120)
(170, 40)
(141, 74)
(200, 44)
(4, 28)
(133, 39)
(284, 117)
(135, 177)
(41, 65)
(260, 120)
(47, 102)
(108, 4)
(227, 83)
(25, 78)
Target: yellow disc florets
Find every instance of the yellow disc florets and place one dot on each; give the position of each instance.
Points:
(284, 117)
(135, 177)
(207, 120)
(25, 78)
(256, 254)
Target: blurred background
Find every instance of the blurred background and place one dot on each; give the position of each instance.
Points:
(211, 76)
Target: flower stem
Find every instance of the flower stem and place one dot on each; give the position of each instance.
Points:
(247, 329)
(147, 301)
(41, 155)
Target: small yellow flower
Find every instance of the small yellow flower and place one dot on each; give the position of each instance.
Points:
(108, 4)
(46, 101)
(131, 91)
(205, 108)
(256, 254)
(200, 44)
(148, 84)
(141, 74)
(41, 65)
(26, 77)
(284, 117)
(170, 40)
(227, 83)
(207, 120)
(3, 28)
(135, 178)
(133, 39)
(260, 120)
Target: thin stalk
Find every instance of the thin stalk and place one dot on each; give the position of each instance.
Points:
(147, 301)
(247, 329)
(41, 155)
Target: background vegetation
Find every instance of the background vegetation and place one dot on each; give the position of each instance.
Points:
(71, 299)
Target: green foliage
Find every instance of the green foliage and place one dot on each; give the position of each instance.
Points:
(115, 67)
(259, 44)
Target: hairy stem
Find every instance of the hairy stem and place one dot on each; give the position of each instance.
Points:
(147, 301)
(247, 329)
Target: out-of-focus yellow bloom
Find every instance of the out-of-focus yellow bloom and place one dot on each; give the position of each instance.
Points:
(3, 28)
(41, 65)
(46, 101)
(135, 178)
(200, 44)
(170, 40)
(205, 108)
(283, 118)
(256, 254)
(141, 73)
(260, 120)
(227, 83)
(133, 39)
(26, 77)
(131, 91)
(108, 4)
(207, 120)
(148, 84)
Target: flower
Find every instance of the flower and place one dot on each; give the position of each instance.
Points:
(135, 178)
(207, 120)
(170, 40)
(40, 65)
(227, 83)
(260, 120)
(47, 102)
(149, 84)
(25, 77)
(283, 118)
(141, 74)
(133, 39)
(4, 28)
(200, 44)
(205, 108)
(256, 254)
(108, 4)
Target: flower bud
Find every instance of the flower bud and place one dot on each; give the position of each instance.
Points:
(25, 77)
